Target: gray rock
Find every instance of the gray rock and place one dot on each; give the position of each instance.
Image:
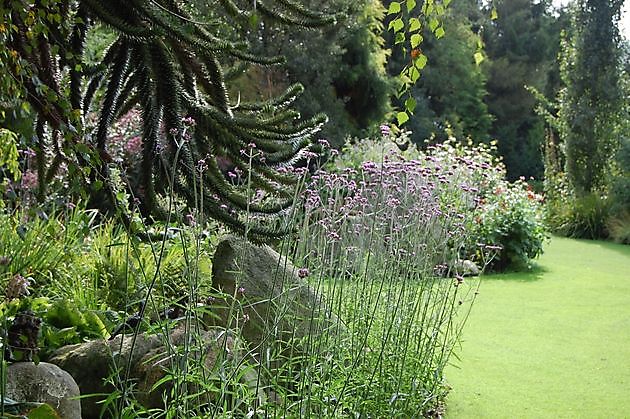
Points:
(466, 268)
(44, 383)
(92, 362)
(275, 308)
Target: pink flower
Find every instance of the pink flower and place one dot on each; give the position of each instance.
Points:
(190, 121)
(18, 287)
(29, 180)
(133, 146)
(324, 142)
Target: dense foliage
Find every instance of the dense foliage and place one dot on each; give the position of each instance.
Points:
(451, 92)
(174, 69)
(185, 120)
(503, 220)
(585, 141)
(522, 47)
(342, 64)
(591, 101)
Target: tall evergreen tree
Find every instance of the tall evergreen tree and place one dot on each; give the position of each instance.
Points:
(173, 67)
(522, 46)
(591, 101)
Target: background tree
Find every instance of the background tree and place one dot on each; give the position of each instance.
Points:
(451, 89)
(591, 101)
(174, 69)
(620, 190)
(522, 46)
(343, 66)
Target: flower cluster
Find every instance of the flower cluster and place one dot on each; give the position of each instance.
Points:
(450, 197)
(510, 221)
(415, 210)
(29, 180)
(125, 139)
(18, 286)
(133, 147)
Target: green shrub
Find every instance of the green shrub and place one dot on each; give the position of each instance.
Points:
(596, 215)
(620, 188)
(584, 217)
(619, 227)
(511, 218)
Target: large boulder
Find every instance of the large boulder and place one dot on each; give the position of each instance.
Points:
(44, 383)
(465, 267)
(267, 298)
(92, 362)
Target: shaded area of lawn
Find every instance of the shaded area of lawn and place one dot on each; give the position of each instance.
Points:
(554, 342)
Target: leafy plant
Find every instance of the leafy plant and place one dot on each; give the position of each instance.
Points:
(377, 241)
(9, 154)
(580, 217)
(511, 219)
(40, 246)
(619, 228)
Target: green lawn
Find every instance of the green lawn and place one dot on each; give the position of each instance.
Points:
(553, 343)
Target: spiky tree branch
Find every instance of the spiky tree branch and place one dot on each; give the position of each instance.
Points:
(170, 66)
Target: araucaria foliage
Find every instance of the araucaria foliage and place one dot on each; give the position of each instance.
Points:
(173, 68)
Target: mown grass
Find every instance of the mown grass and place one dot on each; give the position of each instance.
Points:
(553, 342)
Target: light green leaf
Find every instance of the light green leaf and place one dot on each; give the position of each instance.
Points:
(433, 24)
(411, 4)
(439, 32)
(9, 155)
(394, 7)
(43, 411)
(396, 25)
(416, 39)
(400, 38)
(410, 104)
(414, 74)
(494, 14)
(406, 82)
(420, 62)
(414, 24)
(402, 117)
(478, 58)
